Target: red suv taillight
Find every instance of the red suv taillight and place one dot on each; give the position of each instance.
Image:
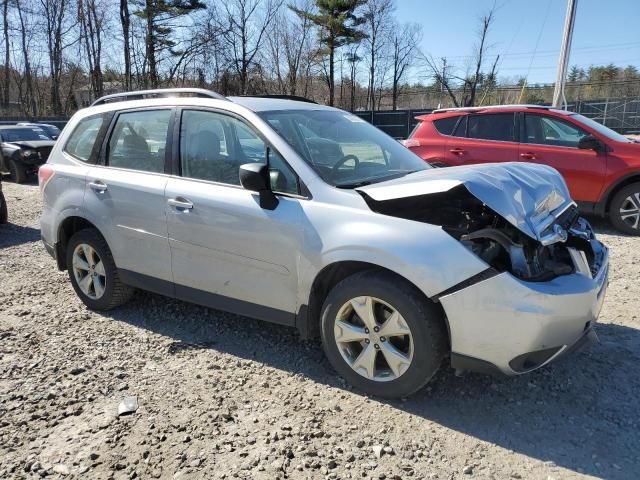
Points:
(45, 173)
(410, 142)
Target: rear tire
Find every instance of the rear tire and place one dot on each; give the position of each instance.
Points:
(624, 210)
(393, 366)
(4, 216)
(93, 273)
(17, 171)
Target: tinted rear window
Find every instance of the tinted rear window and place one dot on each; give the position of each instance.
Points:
(497, 126)
(446, 125)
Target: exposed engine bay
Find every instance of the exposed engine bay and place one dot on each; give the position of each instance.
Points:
(495, 240)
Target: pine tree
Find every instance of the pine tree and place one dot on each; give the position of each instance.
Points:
(159, 16)
(338, 27)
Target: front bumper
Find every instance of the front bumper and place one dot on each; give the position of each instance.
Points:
(507, 325)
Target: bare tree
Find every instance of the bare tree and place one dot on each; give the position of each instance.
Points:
(91, 17)
(244, 26)
(290, 46)
(405, 41)
(470, 82)
(56, 13)
(27, 96)
(354, 59)
(378, 16)
(474, 80)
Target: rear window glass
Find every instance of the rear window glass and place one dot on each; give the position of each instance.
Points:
(83, 137)
(497, 126)
(446, 125)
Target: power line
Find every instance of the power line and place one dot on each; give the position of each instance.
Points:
(546, 53)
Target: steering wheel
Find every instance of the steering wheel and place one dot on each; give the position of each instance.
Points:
(342, 161)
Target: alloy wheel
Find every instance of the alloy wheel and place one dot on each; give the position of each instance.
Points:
(630, 210)
(373, 338)
(88, 271)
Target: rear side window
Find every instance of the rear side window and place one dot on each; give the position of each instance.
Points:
(139, 140)
(445, 126)
(496, 126)
(83, 137)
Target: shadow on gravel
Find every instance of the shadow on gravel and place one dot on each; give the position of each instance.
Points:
(12, 235)
(580, 413)
(603, 226)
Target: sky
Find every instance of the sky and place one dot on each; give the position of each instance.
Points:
(528, 33)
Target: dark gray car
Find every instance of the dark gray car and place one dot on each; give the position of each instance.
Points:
(22, 150)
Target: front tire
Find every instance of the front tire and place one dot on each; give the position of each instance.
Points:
(382, 335)
(93, 273)
(17, 171)
(624, 211)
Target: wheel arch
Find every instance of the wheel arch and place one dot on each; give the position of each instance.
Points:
(603, 207)
(66, 229)
(308, 318)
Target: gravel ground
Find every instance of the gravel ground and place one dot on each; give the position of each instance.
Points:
(221, 396)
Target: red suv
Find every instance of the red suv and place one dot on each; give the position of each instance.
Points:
(601, 167)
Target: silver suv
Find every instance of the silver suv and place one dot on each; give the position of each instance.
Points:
(307, 216)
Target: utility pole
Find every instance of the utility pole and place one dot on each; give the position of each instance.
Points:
(563, 62)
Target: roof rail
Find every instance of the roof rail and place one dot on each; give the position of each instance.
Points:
(160, 92)
(283, 97)
(489, 107)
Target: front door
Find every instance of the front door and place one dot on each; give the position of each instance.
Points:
(227, 252)
(554, 142)
(125, 196)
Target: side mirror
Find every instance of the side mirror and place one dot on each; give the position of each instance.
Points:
(256, 178)
(589, 142)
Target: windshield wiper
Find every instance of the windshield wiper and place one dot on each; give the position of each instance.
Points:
(362, 183)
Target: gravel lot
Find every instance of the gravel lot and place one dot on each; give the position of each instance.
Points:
(221, 396)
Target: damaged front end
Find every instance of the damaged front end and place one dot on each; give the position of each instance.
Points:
(517, 218)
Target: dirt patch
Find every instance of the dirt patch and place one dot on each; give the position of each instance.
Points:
(222, 396)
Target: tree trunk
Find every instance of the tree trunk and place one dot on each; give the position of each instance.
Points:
(7, 65)
(29, 99)
(332, 49)
(150, 46)
(124, 21)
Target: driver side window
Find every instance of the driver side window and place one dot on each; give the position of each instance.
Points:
(214, 145)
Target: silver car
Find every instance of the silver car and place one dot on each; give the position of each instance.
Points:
(305, 215)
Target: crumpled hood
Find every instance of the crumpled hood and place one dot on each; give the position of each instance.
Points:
(529, 196)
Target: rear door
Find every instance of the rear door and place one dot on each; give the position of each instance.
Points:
(125, 195)
(483, 138)
(554, 142)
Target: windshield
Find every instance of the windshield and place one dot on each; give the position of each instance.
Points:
(21, 134)
(342, 148)
(51, 130)
(601, 129)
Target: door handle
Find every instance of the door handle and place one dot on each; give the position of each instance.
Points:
(98, 186)
(457, 151)
(528, 156)
(180, 203)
